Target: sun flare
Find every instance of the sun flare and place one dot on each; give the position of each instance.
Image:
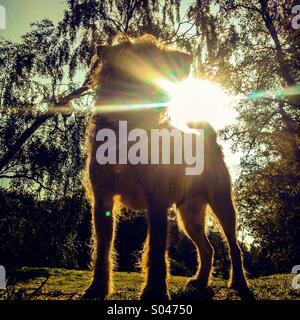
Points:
(199, 100)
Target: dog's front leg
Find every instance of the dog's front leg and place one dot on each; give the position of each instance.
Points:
(155, 260)
(104, 233)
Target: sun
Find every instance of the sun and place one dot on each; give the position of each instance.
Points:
(199, 100)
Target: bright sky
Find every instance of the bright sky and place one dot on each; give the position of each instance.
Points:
(20, 13)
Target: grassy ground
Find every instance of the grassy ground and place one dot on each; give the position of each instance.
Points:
(69, 284)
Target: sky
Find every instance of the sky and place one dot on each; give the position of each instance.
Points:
(20, 13)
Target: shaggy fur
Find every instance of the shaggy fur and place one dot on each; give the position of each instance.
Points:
(126, 76)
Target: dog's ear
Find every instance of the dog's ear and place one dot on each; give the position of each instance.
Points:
(180, 62)
(108, 52)
(182, 59)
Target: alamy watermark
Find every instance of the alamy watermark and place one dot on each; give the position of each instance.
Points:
(296, 18)
(188, 147)
(2, 17)
(3, 280)
(296, 279)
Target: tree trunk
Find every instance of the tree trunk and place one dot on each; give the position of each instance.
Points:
(291, 127)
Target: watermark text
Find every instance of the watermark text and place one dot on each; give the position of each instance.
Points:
(166, 147)
(2, 278)
(2, 18)
(296, 17)
(296, 279)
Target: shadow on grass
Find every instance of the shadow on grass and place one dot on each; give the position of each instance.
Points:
(212, 293)
(23, 275)
(190, 293)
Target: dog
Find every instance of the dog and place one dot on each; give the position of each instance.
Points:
(125, 74)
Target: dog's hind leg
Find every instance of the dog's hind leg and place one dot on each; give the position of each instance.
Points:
(192, 220)
(223, 207)
(154, 256)
(104, 225)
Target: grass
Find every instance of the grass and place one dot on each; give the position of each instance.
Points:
(62, 284)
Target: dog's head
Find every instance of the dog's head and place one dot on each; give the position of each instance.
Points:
(131, 70)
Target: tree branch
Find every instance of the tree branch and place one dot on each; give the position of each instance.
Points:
(283, 67)
(16, 147)
(24, 176)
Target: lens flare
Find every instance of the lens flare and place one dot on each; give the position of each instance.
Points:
(274, 94)
(199, 100)
(190, 100)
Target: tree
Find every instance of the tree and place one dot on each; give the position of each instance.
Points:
(33, 84)
(267, 131)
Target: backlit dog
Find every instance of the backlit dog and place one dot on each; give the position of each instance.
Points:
(128, 75)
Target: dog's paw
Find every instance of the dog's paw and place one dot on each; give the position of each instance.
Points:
(197, 284)
(151, 293)
(243, 290)
(95, 292)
